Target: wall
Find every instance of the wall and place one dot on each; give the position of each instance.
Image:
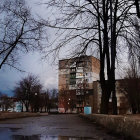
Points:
(122, 101)
(127, 126)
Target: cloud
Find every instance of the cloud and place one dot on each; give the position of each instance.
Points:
(50, 82)
(31, 63)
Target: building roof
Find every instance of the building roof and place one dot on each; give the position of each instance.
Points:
(79, 57)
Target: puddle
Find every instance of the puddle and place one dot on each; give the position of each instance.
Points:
(7, 134)
(36, 137)
(14, 129)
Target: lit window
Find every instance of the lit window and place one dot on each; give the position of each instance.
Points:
(81, 74)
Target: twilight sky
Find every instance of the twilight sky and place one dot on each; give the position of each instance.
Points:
(31, 63)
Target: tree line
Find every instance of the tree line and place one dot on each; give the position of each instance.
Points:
(31, 96)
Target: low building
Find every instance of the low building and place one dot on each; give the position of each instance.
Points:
(122, 102)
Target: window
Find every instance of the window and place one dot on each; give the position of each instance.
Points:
(81, 74)
(72, 81)
(67, 81)
(80, 64)
(73, 75)
(87, 85)
(72, 70)
(67, 76)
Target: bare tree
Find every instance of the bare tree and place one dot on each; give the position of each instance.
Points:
(46, 100)
(6, 102)
(95, 26)
(28, 91)
(130, 86)
(20, 32)
(54, 99)
(133, 41)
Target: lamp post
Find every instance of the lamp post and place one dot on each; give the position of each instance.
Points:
(27, 100)
(36, 105)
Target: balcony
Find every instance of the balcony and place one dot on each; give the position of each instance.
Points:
(72, 81)
(72, 87)
(72, 70)
(79, 75)
(73, 76)
(73, 64)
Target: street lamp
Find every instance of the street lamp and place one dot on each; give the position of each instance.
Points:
(36, 103)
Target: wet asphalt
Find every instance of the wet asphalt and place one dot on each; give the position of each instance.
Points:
(54, 127)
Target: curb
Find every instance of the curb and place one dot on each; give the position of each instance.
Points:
(4, 116)
(117, 124)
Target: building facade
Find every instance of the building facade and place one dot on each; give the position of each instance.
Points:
(76, 78)
(79, 86)
(122, 102)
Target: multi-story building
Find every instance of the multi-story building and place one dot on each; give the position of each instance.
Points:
(76, 78)
(79, 86)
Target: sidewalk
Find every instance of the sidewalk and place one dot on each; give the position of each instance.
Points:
(132, 116)
(128, 125)
(14, 115)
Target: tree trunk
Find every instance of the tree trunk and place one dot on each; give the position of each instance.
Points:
(137, 8)
(104, 109)
(114, 98)
(104, 103)
(45, 108)
(41, 109)
(134, 110)
(114, 103)
(21, 107)
(27, 108)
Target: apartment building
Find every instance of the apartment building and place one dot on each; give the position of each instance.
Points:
(76, 78)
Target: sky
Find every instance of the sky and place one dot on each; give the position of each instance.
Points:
(31, 63)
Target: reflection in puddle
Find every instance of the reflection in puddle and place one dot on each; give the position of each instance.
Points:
(14, 129)
(7, 134)
(36, 137)
(20, 137)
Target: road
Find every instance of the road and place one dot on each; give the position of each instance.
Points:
(53, 127)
